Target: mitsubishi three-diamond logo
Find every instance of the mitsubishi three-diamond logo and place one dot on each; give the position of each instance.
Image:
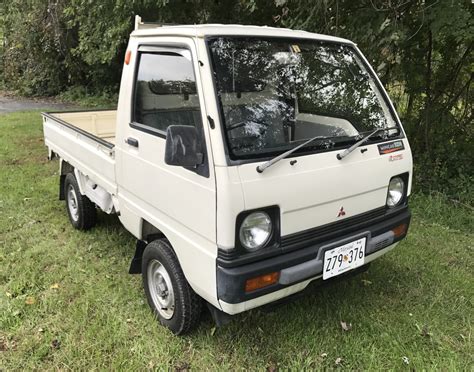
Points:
(341, 213)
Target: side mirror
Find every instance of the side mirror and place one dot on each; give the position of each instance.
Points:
(183, 147)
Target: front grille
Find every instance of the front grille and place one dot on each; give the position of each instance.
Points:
(314, 235)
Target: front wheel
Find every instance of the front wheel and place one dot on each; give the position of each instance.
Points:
(169, 295)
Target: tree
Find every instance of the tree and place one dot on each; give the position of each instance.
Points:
(421, 49)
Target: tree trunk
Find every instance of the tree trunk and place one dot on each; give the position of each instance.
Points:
(428, 102)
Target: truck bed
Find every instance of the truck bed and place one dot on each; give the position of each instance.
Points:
(84, 139)
(100, 124)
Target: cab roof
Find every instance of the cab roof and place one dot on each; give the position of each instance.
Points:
(203, 30)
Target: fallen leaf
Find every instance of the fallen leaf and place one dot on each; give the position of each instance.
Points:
(6, 345)
(182, 367)
(55, 344)
(3, 344)
(338, 361)
(425, 331)
(54, 286)
(406, 360)
(346, 326)
(272, 367)
(30, 300)
(324, 355)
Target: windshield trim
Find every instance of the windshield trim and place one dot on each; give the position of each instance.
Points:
(311, 148)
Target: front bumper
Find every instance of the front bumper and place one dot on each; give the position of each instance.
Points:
(297, 268)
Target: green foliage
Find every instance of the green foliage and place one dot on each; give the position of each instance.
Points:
(423, 53)
(106, 98)
(421, 49)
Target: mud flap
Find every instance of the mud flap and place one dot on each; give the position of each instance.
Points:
(219, 317)
(136, 264)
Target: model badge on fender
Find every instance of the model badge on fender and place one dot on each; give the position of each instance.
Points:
(395, 157)
(386, 148)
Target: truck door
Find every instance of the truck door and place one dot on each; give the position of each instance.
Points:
(180, 201)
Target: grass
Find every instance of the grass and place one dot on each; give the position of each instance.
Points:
(67, 302)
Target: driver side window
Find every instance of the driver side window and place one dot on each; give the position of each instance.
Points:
(165, 91)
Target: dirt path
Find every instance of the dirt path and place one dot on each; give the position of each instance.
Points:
(12, 104)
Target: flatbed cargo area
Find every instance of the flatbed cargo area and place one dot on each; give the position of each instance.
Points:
(85, 140)
(100, 124)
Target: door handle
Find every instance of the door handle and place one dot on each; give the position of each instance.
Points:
(132, 141)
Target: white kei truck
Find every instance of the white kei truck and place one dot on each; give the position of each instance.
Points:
(247, 161)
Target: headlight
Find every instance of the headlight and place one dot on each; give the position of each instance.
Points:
(396, 190)
(255, 230)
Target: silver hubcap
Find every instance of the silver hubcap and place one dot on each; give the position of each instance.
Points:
(161, 289)
(72, 203)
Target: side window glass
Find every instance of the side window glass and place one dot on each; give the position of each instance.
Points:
(165, 91)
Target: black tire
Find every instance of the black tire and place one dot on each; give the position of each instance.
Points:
(84, 215)
(187, 304)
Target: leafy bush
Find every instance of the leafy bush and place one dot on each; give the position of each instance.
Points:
(105, 98)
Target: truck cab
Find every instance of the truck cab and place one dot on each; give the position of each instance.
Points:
(247, 161)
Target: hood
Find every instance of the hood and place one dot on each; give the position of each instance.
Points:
(318, 189)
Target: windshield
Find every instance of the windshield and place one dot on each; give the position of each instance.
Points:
(277, 93)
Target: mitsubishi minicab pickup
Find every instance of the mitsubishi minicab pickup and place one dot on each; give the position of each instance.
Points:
(247, 161)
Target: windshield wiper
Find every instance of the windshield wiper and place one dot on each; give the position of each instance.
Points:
(276, 159)
(340, 156)
(346, 152)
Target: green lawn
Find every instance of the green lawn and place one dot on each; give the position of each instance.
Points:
(67, 301)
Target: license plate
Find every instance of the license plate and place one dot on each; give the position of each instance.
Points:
(346, 257)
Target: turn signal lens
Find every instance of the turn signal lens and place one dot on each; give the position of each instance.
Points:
(261, 281)
(400, 230)
(128, 55)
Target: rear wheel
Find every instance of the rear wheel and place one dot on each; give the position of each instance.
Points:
(169, 295)
(81, 211)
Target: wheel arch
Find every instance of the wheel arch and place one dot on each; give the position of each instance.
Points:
(149, 233)
(195, 255)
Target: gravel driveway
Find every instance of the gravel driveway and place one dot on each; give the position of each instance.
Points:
(12, 104)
